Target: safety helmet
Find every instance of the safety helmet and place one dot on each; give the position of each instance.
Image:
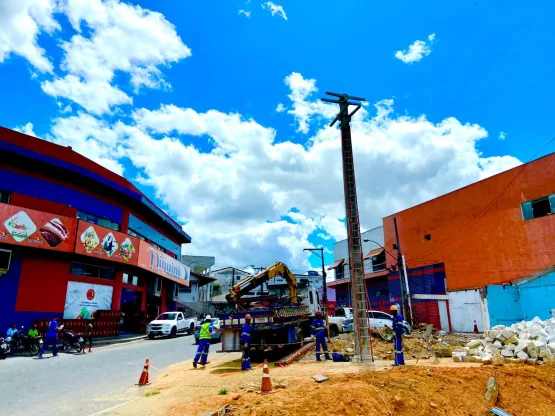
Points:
(247, 316)
(318, 313)
(208, 317)
(394, 308)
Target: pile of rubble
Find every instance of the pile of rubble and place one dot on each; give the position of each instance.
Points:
(532, 342)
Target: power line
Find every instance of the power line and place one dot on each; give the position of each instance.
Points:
(471, 223)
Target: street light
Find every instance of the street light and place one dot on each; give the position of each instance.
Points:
(321, 255)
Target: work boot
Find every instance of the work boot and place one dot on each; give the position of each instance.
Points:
(195, 364)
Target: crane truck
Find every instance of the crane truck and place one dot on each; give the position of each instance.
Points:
(279, 323)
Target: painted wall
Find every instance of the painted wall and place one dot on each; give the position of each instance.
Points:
(341, 248)
(508, 304)
(478, 246)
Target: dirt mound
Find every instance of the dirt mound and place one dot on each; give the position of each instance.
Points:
(408, 391)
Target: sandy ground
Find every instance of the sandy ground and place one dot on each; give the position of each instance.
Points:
(445, 388)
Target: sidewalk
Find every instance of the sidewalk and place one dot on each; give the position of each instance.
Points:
(121, 339)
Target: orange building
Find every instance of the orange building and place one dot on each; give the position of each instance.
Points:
(491, 232)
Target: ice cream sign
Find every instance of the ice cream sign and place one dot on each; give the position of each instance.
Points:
(96, 241)
(27, 227)
(156, 261)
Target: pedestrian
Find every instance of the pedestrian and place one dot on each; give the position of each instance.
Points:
(51, 338)
(246, 344)
(88, 336)
(205, 336)
(398, 330)
(33, 332)
(318, 329)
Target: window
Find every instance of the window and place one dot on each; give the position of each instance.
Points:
(136, 234)
(340, 312)
(4, 197)
(378, 262)
(537, 208)
(381, 292)
(88, 270)
(311, 296)
(339, 272)
(5, 258)
(103, 222)
(132, 280)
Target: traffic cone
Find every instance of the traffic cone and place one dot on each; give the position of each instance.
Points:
(266, 369)
(475, 328)
(143, 380)
(266, 387)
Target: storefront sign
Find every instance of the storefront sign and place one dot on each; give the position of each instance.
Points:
(156, 261)
(96, 241)
(27, 227)
(84, 299)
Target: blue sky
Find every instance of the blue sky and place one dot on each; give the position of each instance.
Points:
(486, 70)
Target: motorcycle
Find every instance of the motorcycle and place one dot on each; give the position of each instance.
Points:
(21, 343)
(72, 341)
(4, 348)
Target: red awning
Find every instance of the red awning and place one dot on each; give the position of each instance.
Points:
(336, 264)
(373, 253)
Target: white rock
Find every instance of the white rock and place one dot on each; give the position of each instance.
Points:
(487, 359)
(551, 346)
(475, 343)
(524, 335)
(494, 350)
(493, 334)
(507, 333)
(474, 351)
(540, 344)
(498, 328)
(498, 344)
(497, 359)
(521, 345)
(458, 358)
(532, 361)
(545, 352)
(536, 320)
(522, 355)
(510, 347)
(507, 353)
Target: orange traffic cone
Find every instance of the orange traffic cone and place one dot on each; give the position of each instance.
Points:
(266, 369)
(266, 387)
(475, 328)
(143, 380)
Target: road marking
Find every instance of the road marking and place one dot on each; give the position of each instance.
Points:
(115, 407)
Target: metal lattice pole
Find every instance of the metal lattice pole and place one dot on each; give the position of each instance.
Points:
(356, 260)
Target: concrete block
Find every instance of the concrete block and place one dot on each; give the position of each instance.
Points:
(536, 319)
(511, 340)
(521, 345)
(507, 353)
(493, 334)
(507, 333)
(498, 344)
(487, 342)
(462, 349)
(522, 355)
(475, 360)
(494, 350)
(458, 358)
(551, 346)
(475, 343)
(544, 352)
(532, 350)
(548, 359)
(474, 351)
(487, 359)
(540, 344)
(497, 359)
(498, 328)
(524, 335)
(510, 347)
(532, 361)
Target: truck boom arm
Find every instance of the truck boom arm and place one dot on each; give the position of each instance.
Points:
(251, 282)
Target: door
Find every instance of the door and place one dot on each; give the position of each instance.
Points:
(443, 316)
(180, 322)
(465, 307)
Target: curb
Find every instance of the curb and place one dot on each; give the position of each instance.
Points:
(99, 342)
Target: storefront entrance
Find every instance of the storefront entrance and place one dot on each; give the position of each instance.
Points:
(131, 306)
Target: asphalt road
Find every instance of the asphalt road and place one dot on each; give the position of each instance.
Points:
(86, 384)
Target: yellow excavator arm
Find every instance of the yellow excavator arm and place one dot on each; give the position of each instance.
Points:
(252, 282)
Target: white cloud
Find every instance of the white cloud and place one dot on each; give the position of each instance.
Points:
(26, 129)
(502, 135)
(245, 13)
(274, 9)
(97, 97)
(416, 51)
(21, 21)
(280, 108)
(237, 199)
(113, 36)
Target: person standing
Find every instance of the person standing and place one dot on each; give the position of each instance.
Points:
(51, 338)
(318, 329)
(88, 336)
(246, 344)
(398, 330)
(205, 337)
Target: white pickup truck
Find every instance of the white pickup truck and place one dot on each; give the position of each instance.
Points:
(336, 322)
(170, 323)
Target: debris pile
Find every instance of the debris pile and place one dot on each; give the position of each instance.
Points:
(531, 342)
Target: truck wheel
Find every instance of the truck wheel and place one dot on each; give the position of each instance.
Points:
(173, 332)
(191, 329)
(150, 336)
(333, 331)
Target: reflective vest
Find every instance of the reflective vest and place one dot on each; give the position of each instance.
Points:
(205, 331)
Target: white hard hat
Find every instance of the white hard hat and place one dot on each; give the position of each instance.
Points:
(208, 317)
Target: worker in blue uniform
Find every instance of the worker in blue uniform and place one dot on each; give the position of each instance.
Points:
(398, 330)
(318, 330)
(205, 336)
(246, 344)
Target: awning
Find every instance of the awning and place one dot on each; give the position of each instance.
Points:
(336, 264)
(373, 253)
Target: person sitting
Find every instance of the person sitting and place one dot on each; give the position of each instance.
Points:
(12, 332)
(34, 331)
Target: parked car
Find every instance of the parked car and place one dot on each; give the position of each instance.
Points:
(377, 319)
(216, 335)
(337, 321)
(170, 323)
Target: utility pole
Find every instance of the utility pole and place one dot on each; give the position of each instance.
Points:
(405, 306)
(363, 345)
(321, 255)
